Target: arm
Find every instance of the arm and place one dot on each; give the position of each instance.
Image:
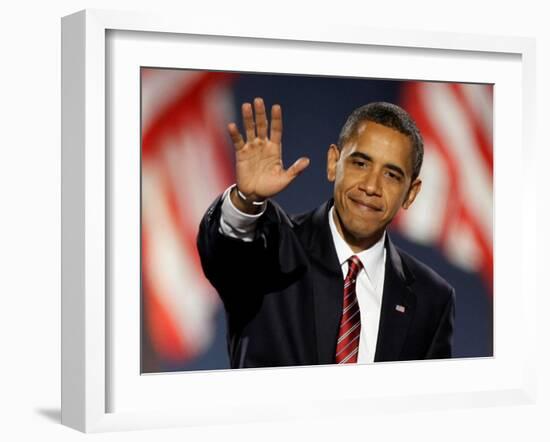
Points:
(239, 263)
(441, 346)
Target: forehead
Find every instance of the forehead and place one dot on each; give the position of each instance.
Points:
(381, 143)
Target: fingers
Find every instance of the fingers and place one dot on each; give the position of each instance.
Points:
(261, 119)
(276, 124)
(255, 122)
(248, 122)
(235, 135)
(297, 168)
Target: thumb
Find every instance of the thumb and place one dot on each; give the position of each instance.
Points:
(297, 168)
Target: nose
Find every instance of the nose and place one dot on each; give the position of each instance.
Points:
(371, 183)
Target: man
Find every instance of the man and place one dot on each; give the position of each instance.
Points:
(327, 286)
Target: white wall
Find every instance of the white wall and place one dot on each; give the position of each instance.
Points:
(30, 214)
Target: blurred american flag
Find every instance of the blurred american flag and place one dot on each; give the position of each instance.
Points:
(187, 161)
(455, 212)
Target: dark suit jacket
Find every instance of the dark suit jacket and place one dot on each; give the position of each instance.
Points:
(283, 294)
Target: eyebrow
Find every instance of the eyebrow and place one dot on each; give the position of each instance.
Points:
(366, 157)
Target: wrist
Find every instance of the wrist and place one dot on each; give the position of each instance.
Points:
(248, 199)
(245, 204)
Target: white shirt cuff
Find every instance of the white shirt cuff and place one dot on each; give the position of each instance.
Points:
(237, 224)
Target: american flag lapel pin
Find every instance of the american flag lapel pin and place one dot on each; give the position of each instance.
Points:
(400, 308)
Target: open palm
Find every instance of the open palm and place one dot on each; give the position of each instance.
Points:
(259, 167)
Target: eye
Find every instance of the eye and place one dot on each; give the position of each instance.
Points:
(359, 163)
(393, 175)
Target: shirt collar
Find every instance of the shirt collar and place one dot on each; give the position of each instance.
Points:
(371, 258)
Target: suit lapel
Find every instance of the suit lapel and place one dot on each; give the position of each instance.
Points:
(328, 283)
(398, 307)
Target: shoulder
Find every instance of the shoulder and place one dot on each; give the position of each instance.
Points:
(423, 276)
(305, 220)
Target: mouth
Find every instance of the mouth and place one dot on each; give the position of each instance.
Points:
(366, 206)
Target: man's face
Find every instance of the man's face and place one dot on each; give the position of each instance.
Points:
(372, 177)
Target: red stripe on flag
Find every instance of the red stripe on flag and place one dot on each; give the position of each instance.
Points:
(180, 110)
(483, 144)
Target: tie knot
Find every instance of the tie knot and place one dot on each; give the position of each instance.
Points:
(355, 267)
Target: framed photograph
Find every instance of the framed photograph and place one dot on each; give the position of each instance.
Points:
(143, 331)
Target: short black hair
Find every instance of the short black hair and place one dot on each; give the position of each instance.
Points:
(389, 115)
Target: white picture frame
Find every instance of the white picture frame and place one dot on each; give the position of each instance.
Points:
(92, 367)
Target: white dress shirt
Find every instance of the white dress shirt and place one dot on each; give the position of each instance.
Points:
(368, 287)
(369, 282)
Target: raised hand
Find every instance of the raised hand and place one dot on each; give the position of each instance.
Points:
(259, 166)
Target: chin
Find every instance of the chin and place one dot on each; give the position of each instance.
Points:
(362, 234)
(367, 232)
(361, 230)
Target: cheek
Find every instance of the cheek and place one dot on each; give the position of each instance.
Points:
(347, 179)
(340, 185)
(397, 200)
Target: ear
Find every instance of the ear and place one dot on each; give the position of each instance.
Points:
(413, 191)
(333, 154)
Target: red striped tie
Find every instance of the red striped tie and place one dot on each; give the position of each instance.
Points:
(347, 345)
